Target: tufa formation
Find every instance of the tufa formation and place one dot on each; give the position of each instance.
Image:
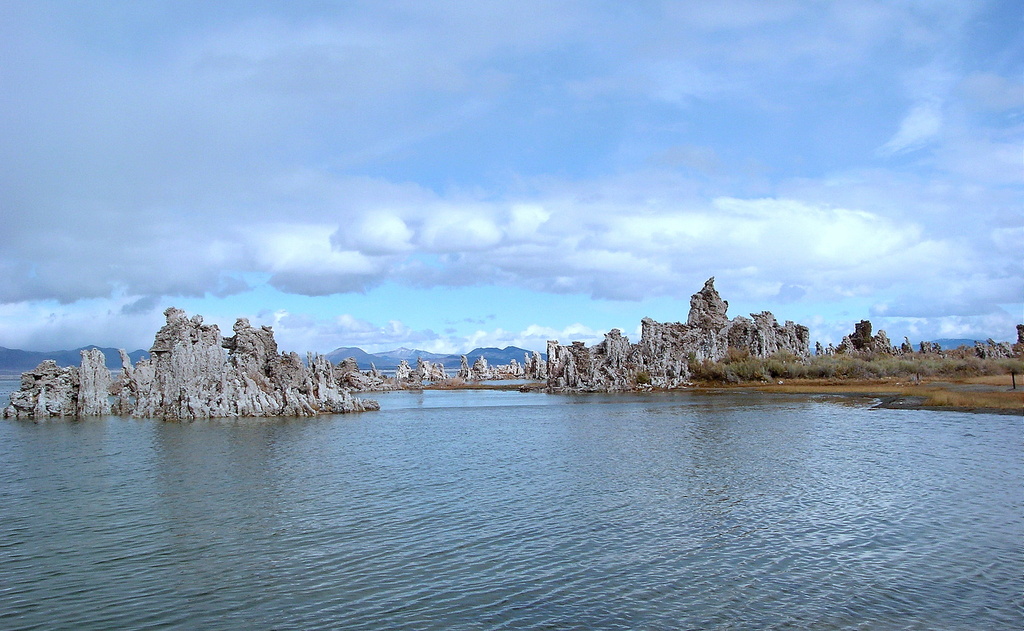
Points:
(189, 376)
(662, 356)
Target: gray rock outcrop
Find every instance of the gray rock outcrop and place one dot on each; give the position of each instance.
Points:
(662, 356)
(861, 342)
(373, 380)
(93, 384)
(429, 371)
(534, 367)
(189, 376)
(404, 373)
(991, 349)
(49, 391)
(480, 369)
(46, 391)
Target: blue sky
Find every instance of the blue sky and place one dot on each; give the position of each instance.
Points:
(445, 175)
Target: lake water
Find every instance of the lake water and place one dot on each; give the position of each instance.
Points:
(508, 510)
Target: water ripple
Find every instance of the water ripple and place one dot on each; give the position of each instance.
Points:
(518, 511)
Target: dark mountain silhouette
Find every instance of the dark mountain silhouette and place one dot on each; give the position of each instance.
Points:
(389, 360)
(949, 343)
(499, 355)
(14, 361)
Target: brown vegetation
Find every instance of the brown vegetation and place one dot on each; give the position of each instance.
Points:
(953, 380)
(738, 367)
(928, 393)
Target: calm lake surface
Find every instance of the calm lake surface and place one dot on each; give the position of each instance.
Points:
(505, 510)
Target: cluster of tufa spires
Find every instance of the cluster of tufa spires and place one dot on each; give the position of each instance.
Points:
(189, 376)
(193, 372)
(662, 356)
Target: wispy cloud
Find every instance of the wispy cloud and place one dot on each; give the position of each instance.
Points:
(921, 125)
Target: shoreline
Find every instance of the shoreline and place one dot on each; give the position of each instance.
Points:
(981, 395)
(989, 394)
(985, 395)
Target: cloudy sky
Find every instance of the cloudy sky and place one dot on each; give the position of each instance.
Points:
(445, 175)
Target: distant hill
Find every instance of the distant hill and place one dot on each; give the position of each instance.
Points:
(14, 361)
(410, 355)
(951, 343)
(499, 355)
(389, 360)
(362, 357)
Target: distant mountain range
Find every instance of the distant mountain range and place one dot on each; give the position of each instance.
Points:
(950, 343)
(14, 361)
(389, 360)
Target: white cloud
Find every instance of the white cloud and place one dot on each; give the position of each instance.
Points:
(42, 326)
(525, 220)
(303, 333)
(459, 229)
(339, 148)
(300, 332)
(533, 337)
(919, 126)
(375, 234)
(306, 248)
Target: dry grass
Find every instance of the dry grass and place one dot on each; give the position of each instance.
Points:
(852, 387)
(997, 380)
(962, 394)
(991, 400)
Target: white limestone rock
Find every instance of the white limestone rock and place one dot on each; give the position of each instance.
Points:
(348, 376)
(662, 356)
(94, 384)
(189, 376)
(427, 371)
(406, 377)
(480, 370)
(534, 367)
(46, 391)
(50, 391)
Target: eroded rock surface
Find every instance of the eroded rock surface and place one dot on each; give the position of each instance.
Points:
(93, 384)
(662, 356)
(429, 371)
(189, 376)
(482, 370)
(50, 391)
(534, 367)
(46, 391)
(862, 342)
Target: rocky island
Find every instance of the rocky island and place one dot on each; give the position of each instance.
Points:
(189, 376)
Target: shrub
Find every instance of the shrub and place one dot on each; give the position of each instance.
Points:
(737, 366)
(734, 355)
